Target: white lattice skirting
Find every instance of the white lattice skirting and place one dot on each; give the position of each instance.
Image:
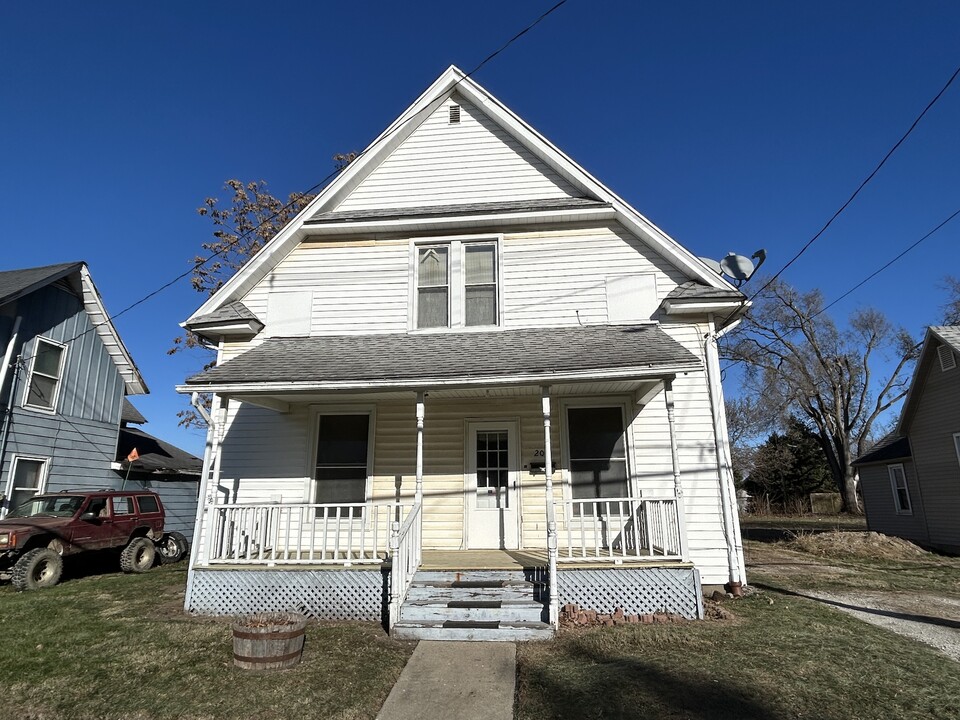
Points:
(321, 594)
(638, 591)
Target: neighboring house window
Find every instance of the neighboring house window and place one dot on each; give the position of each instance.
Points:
(597, 451)
(956, 444)
(28, 479)
(457, 284)
(342, 455)
(45, 373)
(901, 494)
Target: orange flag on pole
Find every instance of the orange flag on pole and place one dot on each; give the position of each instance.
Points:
(134, 455)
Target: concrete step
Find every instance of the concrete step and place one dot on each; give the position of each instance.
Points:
(505, 611)
(445, 594)
(473, 631)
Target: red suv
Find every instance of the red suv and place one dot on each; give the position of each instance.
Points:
(36, 536)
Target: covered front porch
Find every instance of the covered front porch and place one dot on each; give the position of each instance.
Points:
(551, 468)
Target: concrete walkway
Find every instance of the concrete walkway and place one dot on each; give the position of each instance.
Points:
(465, 680)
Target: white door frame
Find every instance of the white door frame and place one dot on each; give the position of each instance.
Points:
(473, 532)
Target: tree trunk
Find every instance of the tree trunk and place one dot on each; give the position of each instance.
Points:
(848, 492)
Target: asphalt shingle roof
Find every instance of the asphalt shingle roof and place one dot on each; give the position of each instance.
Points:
(949, 334)
(572, 203)
(889, 447)
(694, 290)
(16, 282)
(228, 313)
(452, 356)
(130, 414)
(156, 455)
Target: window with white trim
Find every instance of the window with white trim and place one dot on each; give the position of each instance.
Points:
(341, 471)
(901, 493)
(28, 480)
(598, 454)
(46, 370)
(457, 284)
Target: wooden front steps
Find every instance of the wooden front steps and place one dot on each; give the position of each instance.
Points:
(486, 605)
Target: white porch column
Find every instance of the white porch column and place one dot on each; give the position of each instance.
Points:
(420, 415)
(551, 507)
(675, 458)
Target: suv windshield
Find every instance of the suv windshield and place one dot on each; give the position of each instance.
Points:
(49, 506)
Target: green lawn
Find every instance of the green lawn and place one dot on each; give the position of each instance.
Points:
(119, 646)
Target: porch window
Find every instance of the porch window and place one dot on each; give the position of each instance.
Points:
(598, 457)
(341, 472)
(901, 493)
(45, 373)
(28, 475)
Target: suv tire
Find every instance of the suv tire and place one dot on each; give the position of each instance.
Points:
(137, 556)
(172, 548)
(38, 568)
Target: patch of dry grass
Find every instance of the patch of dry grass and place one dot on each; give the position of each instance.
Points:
(858, 545)
(119, 646)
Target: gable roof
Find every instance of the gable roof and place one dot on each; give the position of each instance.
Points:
(578, 184)
(156, 455)
(15, 284)
(948, 335)
(405, 360)
(890, 447)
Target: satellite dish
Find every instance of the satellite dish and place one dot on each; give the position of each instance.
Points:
(740, 268)
(712, 264)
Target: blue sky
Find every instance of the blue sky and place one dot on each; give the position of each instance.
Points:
(732, 126)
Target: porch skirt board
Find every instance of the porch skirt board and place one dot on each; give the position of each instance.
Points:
(319, 594)
(639, 591)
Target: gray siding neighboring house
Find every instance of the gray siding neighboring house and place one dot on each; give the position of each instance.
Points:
(62, 385)
(911, 480)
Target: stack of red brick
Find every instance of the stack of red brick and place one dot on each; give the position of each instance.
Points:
(573, 614)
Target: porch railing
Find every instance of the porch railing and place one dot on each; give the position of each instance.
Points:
(301, 534)
(406, 551)
(620, 529)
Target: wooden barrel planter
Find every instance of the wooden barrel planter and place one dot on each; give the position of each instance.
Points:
(268, 641)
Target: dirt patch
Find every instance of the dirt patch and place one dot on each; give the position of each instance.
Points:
(857, 544)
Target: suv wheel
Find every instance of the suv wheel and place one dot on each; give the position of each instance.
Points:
(39, 568)
(172, 548)
(137, 556)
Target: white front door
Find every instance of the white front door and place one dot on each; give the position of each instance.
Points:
(491, 485)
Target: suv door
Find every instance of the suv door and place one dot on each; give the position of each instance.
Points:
(92, 533)
(124, 516)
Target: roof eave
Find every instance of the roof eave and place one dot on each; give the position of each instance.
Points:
(426, 382)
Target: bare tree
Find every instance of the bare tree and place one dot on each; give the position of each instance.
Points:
(951, 309)
(796, 360)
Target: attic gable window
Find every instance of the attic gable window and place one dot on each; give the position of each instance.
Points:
(46, 370)
(948, 360)
(457, 284)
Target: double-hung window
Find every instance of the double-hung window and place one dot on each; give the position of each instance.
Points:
(457, 284)
(28, 476)
(342, 456)
(901, 493)
(45, 374)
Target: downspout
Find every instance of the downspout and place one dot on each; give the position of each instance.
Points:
(8, 408)
(731, 522)
(208, 454)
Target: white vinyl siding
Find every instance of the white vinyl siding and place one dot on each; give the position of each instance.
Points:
(443, 163)
(901, 492)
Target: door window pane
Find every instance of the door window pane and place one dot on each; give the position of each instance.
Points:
(493, 469)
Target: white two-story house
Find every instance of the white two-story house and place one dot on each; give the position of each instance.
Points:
(465, 355)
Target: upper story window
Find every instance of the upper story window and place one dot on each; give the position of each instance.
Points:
(46, 370)
(457, 284)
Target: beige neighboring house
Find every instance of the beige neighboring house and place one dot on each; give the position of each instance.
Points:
(466, 385)
(910, 480)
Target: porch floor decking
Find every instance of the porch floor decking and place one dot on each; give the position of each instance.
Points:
(518, 559)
